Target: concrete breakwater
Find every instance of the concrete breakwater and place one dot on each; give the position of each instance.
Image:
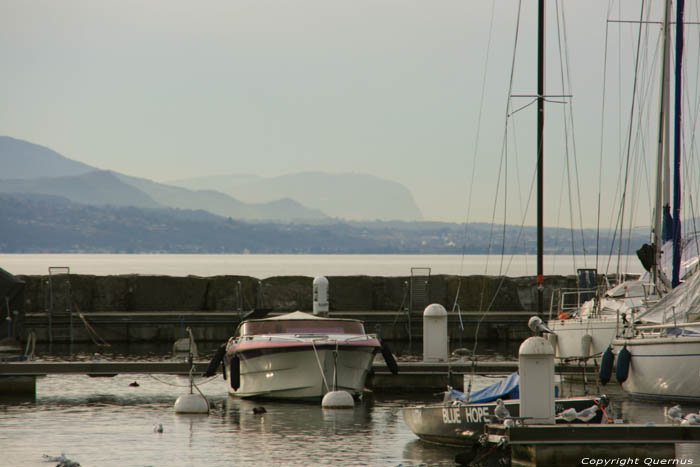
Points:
(130, 299)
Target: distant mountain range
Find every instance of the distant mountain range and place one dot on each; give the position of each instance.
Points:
(349, 196)
(27, 168)
(48, 224)
(49, 203)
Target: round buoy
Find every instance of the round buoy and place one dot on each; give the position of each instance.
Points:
(337, 400)
(191, 403)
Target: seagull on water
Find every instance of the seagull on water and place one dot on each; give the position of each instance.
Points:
(158, 428)
(674, 413)
(586, 415)
(501, 411)
(537, 326)
(568, 415)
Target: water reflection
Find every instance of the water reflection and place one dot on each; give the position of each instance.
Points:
(106, 421)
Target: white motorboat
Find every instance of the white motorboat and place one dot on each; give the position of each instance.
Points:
(299, 356)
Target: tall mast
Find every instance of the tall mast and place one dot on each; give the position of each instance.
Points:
(540, 158)
(675, 280)
(662, 149)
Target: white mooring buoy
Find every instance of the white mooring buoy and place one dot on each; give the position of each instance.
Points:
(338, 400)
(191, 403)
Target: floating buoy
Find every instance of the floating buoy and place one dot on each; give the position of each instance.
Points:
(191, 403)
(606, 366)
(338, 400)
(622, 368)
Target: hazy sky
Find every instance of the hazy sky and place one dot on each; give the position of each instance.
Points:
(166, 89)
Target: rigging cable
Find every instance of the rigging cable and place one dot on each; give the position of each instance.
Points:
(476, 150)
(483, 287)
(691, 160)
(627, 159)
(562, 40)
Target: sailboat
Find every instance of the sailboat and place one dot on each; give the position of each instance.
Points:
(459, 419)
(586, 330)
(658, 354)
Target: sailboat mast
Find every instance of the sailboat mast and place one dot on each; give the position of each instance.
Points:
(662, 149)
(675, 280)
(540, 157)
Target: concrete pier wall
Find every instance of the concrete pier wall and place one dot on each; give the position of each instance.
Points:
(287, 293)
(157, 308)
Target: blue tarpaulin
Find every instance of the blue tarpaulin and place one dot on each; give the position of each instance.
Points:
(507, 388)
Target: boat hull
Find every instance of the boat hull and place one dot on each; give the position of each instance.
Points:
(462, 424)
(664, 368)
(570, 337)
(301, 372)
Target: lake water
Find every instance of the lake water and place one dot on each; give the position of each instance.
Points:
(263, 266)
(105, 422)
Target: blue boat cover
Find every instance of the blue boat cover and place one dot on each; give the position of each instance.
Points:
(507, 388)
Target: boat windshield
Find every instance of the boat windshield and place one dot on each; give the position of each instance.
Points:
(300, 326)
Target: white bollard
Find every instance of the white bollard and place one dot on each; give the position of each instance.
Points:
(320, 287)
(436, 342)
(536, 366)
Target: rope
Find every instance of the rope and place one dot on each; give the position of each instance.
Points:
(31, 344)
(93, 334)
(602, 409)
(320, 368)
(180, 385)
(192, 384)
(91, 331)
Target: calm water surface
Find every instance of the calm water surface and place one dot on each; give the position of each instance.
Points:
(105, 422)
(263, 266)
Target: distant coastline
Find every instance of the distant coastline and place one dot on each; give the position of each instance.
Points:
(263, 266)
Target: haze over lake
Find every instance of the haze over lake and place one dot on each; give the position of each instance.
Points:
(263, 266)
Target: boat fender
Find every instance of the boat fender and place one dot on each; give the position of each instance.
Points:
(553, 341)
(606, 366)
(622, 368)
(216, 361)
(389, 358)
(586, 341)
(235, 372)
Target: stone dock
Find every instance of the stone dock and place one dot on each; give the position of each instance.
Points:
(157, 308)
